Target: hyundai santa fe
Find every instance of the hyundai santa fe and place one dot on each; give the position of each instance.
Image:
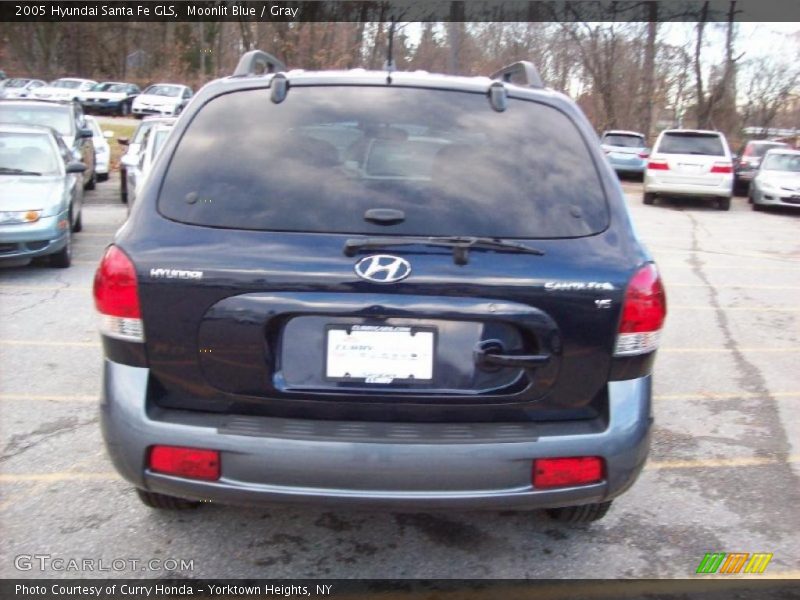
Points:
(390, 289)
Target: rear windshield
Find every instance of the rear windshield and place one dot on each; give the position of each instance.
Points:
(324, 156)
(624, 140)
(691, 143)
(760, 149)
(55, 116)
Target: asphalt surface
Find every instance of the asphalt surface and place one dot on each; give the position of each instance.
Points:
(722, 477)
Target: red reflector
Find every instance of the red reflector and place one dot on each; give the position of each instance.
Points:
(115, 291)
(722, 168)
(192, 463)
(644, 154)
(564, 472)
(645, 306)
(658, 165)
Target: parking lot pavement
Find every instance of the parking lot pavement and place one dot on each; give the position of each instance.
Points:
(723, 475)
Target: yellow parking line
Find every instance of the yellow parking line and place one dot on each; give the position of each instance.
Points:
(48, 343)
(727, 308)
(43, 288)
(50, 397)
(715, 267)
(742, 286)
(724, 395)
(57, 477)
(747, 461)
(753, 350)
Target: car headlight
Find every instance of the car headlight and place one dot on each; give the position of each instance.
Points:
(15, 217)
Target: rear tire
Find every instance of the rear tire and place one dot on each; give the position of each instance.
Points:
(78, 226)
(102, 177)
(586, 513)
(164, 502)
(63, 258)
(649, 198)
(123, 188)
(92, 183)
(124, 109)
(724, 204)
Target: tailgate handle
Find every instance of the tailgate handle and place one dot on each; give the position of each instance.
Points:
(488, 354)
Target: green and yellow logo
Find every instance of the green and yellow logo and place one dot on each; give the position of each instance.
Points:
(734, 562)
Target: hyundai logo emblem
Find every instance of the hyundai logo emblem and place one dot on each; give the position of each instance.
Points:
(383, 268)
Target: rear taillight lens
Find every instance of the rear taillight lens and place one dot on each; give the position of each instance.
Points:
(658, 165)
(116, 297)
(643, 313)
(644, 154)
(192, 463)
(566, 472)
(722, 167)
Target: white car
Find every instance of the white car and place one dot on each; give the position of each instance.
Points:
(690, 162)
(20, 87)
(66, 88)
(777, 182)
(102, 151)
(166, 99)
(152, 143)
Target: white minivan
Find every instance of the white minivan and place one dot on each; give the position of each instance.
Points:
(690, 162)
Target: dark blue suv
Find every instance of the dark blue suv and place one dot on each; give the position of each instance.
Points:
(398, 289)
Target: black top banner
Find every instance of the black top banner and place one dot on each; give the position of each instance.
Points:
(402, 10)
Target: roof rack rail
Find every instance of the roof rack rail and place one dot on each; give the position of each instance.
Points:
(251, 61)
(520, 73)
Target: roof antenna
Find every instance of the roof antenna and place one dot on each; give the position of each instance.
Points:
(390, 65)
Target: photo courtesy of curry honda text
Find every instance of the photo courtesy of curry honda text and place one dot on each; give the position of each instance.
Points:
(386, 289)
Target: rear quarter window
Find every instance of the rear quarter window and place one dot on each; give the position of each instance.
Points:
(324, 156)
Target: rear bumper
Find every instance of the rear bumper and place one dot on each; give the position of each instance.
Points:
(398, 466)
(634, 165)
(656, 184)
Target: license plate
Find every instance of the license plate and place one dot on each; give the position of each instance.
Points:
(379, 354)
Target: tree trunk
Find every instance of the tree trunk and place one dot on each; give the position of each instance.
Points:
(649, 66)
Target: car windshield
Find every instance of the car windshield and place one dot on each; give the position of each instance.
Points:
(158, 140)
(56, 116)
(323, 157)
(624, 140)
(163, 90)
(141, 131)
(28, 152)
(675, 142)
(782, 162)
(16, 83)
(760, 150)
(67, 83)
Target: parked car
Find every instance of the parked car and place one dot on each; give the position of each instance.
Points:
(19, 87)
(626, 151)
(66, 118)
(777, 182)
(152, 143)
(287, 321)
(40, 194)
(130, 159)
(110, 97)
(102, 151)
(690, 163)
(749, 158)
(165, 99)
(65, 89)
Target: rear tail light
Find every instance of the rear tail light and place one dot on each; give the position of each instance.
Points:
(643, 313)
(644, 154)
(566, 472)
(116, 297)
(192, 463)
(722, 167)
(658, 165)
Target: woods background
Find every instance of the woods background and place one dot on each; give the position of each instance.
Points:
(628, 75)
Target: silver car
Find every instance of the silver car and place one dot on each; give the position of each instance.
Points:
(626, 151)
(41, 194)
(130, 159)
(777, 182)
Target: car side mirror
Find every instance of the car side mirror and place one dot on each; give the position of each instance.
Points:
(108, 134)
(76, 167)
(85, 132)
(123, 141)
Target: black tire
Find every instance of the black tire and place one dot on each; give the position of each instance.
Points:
(758, 207)
(102, 177)
(124, 109)
(78, 225)
(164, 502)
(649, 198)
(92, 183)
(724, 204)
(63, 258)
(123, 188)
(585, 513)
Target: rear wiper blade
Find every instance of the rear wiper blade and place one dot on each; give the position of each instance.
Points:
(461, 245)
(10, 171)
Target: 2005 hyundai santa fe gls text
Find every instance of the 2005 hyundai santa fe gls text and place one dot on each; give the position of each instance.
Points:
(380, 288)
